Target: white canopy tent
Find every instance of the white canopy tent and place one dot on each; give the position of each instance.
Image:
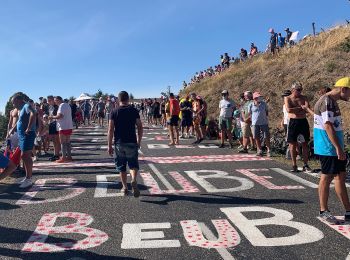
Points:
(83, 96)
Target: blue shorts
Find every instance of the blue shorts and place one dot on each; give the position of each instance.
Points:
(4, 161)
(126, 153)
(26, 142)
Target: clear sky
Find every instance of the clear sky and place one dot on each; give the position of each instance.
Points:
(69, 47)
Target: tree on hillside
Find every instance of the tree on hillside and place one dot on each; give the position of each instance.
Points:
(131, 96)
(98, 94)
(3, 126)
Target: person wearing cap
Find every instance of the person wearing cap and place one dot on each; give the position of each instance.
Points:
(258, 112)
(226, 106)
(246, 123)
(298, 127)
(329, 146)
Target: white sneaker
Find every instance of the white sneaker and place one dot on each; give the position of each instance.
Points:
(26, 183)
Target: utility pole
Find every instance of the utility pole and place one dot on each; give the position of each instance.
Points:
(313, 29)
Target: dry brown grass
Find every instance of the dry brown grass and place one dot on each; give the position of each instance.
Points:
(316, 62)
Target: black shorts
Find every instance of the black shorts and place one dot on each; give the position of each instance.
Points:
(186, 122)
(156, 115)
(101, 114)
(298, 127)
(174, 121)
(331, 165)
(52, 128)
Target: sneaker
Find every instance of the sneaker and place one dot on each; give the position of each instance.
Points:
(243, 150)
(182, 136)
(26, 183)
(329, 218)
(221, 146)
(135, 189)
(259, 153)
(196, 142)
(295, 169)
(307, 169)
(124, 191)
(200, 140)
(35, 158)
(268, 154)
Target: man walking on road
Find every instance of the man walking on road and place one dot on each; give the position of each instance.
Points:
(26, 136)
(298, 127)
(122, 127)
(329, 145)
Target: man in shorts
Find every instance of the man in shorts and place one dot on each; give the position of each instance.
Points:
(122, 124)
(86, 107)
(101, 111)
(226, 106)
(26, 136)
(246, 123)
(258, 112)
(156, 111)
(198, 107)
(53, 133)
(186, 121)
(64, 126)
(329, 145)
(298, 127)
(174, 107)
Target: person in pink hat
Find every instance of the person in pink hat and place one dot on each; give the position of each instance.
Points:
(258, 112)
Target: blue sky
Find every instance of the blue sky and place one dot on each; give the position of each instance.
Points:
(69, 47)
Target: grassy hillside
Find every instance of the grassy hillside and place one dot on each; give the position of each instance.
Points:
(315, 62)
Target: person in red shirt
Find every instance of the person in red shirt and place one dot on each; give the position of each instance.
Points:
(174, 120)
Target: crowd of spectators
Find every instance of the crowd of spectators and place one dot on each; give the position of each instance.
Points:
(276, 43)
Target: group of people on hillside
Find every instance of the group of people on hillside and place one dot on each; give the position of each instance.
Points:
(276, 43)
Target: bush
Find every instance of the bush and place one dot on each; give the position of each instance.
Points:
(345, 46)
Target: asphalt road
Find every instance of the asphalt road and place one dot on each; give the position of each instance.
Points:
(197, 202)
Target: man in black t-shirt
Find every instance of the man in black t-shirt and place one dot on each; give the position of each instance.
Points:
(122, 124)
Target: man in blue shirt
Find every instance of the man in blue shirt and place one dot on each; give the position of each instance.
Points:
(26, 135)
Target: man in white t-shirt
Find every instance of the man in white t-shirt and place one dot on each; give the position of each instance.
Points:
(227, 106)
(65, 128)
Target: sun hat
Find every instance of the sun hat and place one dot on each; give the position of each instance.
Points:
(343, 83)
(271, 30)
(256, 95)
(224, 92)
(297, 85)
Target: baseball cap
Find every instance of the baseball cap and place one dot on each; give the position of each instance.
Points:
(343, 83)
(271, 30)
(256, 95)
(225, 92)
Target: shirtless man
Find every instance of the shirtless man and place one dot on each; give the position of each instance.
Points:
(298, 128)
(12, 128)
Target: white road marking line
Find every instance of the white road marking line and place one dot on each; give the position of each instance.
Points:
(225, 254)
(296, 178)
(161, 177)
